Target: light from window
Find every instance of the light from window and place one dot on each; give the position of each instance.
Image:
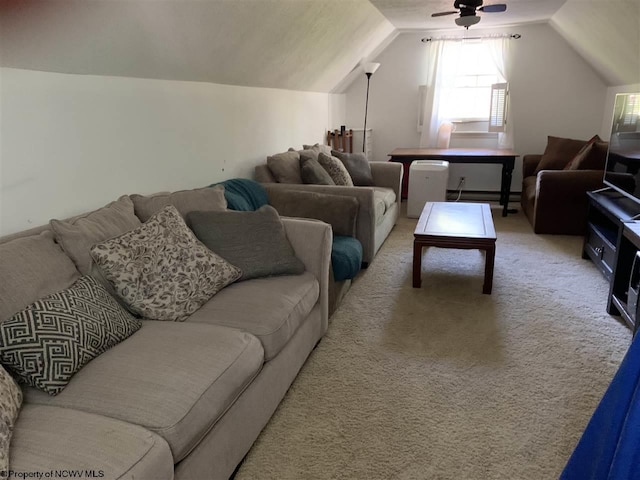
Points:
(468, 74)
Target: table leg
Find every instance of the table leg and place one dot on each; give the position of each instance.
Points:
(505, 187)
(488, 269)
(417, 264)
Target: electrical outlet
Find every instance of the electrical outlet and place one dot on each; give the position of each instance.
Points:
(462, 180)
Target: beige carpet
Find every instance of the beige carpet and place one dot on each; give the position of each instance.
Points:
(444, 382)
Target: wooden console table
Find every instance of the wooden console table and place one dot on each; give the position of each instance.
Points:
(506, 158)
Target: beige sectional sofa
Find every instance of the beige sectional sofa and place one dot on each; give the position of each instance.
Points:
(181, 400)
(379, 204)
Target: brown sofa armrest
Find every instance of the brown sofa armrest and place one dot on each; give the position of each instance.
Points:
(529, 164)
(561, 200)
(339, 211)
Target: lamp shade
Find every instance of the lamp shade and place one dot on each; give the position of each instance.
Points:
(370, 68)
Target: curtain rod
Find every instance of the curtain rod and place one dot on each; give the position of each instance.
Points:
(515, 36)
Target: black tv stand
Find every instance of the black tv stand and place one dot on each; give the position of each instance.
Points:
(612, 241)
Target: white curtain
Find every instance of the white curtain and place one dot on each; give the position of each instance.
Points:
(499, 49)
(431, 121)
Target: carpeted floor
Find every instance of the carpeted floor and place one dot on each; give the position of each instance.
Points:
(444, 382)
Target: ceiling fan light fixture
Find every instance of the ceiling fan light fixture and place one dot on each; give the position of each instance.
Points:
(467, 21)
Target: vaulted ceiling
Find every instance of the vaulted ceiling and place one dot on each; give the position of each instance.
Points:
(290, 44)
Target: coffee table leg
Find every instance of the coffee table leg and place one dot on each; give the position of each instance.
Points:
(417, 263)
(488, 269)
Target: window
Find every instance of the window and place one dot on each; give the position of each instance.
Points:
(469, 79)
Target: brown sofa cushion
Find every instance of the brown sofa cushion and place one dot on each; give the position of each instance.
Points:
(595, 158)
(559, 153)
(579, 159)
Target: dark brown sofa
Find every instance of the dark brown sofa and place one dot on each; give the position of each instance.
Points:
(555, 201)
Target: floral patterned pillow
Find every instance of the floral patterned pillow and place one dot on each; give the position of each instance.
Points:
(161, 270)
(10, 401)
(336, 170)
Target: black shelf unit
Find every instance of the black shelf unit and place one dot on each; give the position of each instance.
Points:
(612, 241)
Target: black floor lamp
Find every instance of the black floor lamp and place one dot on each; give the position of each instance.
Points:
(369, 69)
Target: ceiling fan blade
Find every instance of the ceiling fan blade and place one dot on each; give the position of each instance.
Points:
(498, 7)
(442, 14)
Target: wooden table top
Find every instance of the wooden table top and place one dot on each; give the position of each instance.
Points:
(453, 152)
(456, 220)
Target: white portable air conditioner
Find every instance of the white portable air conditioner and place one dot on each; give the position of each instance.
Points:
(427, 183)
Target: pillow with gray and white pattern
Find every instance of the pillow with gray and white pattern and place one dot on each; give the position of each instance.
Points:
(10, 402)
(161, 270)
(336, 170)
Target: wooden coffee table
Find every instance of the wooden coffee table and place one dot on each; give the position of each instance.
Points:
(455, 225)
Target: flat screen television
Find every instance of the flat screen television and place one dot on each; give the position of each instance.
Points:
(622, 170)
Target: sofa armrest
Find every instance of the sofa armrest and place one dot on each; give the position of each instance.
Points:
(312, 241)
(339, 211)
(561, 200)
(529, 164)
(365, 224)
(388, 174)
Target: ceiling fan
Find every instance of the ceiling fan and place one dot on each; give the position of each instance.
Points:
(468, 11)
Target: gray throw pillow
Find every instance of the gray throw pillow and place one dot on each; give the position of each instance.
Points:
(318, 148)
(160, 270)
(45, 344)
(10, 402)
(358, 167)
(336, 170)
(313, 173)
(285, 167)
(254, 241)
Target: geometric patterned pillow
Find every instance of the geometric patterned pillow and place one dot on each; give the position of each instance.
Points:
(10, 401)
(336, 170)
(161, 270)
(45, 344)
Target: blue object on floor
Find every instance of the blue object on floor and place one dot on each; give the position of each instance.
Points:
(610, 445)
(243, 194)
(346, 257)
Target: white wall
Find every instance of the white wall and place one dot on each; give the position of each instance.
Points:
(71, 143)
(553, 92)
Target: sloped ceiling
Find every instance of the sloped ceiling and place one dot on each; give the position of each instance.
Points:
(312, 45)
(606, 34)
(289, 44)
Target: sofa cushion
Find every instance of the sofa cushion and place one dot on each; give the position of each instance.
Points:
(387, 194)
(595, 159)
(558, 153)
(76, 236)
(51, 438)
(37, 267)
(358, 167)
(161, 270)
(10, 402)
(346, 257)
(580, 157)
(336, 170)
(271, 308)
(255, 242)
(45, 344)
(318, 148)
(175, 379)
(529, 187)
(379, 204)
(313, 173)
(185, 201)
(285, 167)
